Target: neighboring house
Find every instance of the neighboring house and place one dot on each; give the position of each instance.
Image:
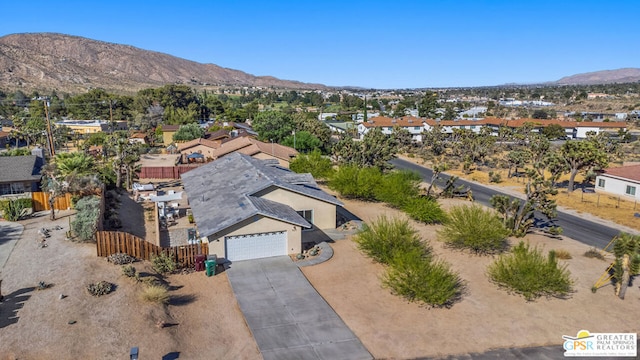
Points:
(167, 133)
(91, 126)
(138, 138)
(258, 149)
(247, 208)
(199, 146)
(19, 174)
(573, 129)
(622, 181)
(217, 135)
(414, 125)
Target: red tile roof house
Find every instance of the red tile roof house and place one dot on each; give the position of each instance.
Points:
(622, 181)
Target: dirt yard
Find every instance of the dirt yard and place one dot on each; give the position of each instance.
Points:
(485, 318)
(203, 319)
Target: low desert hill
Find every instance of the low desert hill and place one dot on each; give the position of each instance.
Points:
(627, 75)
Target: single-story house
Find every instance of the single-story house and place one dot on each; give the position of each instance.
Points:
(623, 181)
(248, 208)
(199, 146)
(20, 174)
(167, 133)
(138, 138)
(258, 149)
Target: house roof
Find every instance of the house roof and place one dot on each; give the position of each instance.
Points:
(226, 191)
(196, 142)
(405, 121)
(170, 128)
(138, 136)
(631, 172)
(216, 135)
(20, 168)
(251, 146)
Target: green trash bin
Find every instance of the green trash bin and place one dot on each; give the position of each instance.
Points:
(210, 267)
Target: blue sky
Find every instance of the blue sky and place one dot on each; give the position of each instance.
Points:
(372, 44)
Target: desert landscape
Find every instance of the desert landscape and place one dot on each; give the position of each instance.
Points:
(203, 319)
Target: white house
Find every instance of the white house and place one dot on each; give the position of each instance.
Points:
(414, 125)
(623, 181)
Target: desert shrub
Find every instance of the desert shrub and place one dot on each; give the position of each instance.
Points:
(150, 280)
(354, 182)
(474, 228)
(163, 263)
(495, 177)
(316, 164)
(397, 188)
(85, 222)
(424, 209)
(155, 294)
(594, 253)
(417, 278)
(129, 270)
(100, 288)
(385, 237)
(15, 209)
(562, 254)
(526, 271)
(120, 259)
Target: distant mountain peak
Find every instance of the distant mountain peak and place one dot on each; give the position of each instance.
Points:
(625, 75)
(52, 61)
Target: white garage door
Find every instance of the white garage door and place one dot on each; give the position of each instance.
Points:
(255, 246)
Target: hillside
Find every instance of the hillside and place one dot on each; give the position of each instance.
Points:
(602, 77)
(44, 61)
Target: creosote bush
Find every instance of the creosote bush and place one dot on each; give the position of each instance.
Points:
(425, 209)
(385, 237)
(85, 223)
(412, 272)
(563, 254)
(419, 278)
(155, 294)
(129, 271)
(474, 228)
(526, 271)
(163, 263)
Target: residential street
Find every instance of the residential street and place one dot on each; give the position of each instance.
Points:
(588, 231)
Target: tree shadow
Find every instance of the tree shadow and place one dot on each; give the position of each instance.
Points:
(171, 356)
(180, 300)
(8, 233)
(11, 304)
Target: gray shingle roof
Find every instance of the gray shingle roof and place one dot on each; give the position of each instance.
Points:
(20, 168)
(221, 193)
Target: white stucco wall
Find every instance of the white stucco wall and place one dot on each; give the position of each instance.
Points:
(617, 186)
(257, 224)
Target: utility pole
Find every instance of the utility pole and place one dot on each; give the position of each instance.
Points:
(111, 115)
(52, 147)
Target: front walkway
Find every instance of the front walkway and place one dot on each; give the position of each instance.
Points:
(287, 316)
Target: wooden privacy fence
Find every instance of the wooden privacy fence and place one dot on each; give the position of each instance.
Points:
(111, 242)
(164, 172)
(41, 201)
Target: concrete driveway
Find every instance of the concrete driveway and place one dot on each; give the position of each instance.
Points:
(9, 234)
(287, 316)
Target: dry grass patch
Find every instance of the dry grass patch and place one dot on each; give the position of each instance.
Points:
(155, 294)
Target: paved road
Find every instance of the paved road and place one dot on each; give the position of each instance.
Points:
(583, 230)
(287, 316)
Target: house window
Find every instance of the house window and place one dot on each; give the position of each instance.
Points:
(416, 128)
(307, 215)
(601, 183)
(631, 190)
(13, 188)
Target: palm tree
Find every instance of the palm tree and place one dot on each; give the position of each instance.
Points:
(627, 252)
(68, 172)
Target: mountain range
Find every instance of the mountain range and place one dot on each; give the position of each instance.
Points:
(73, 64)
